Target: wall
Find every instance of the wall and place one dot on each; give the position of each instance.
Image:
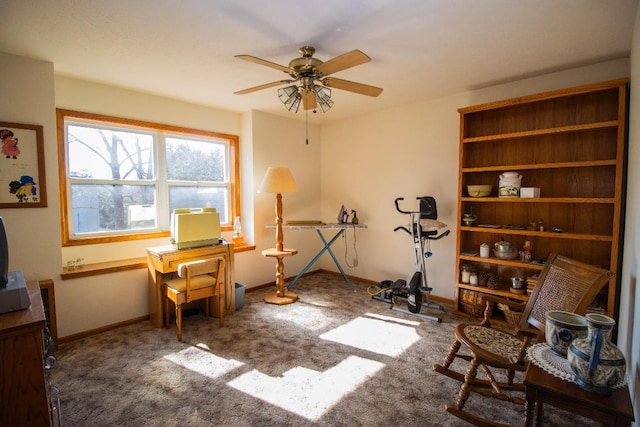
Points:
(30, 95)
(280, 141)
(411, 151)
(364, 163)
(264, 141)
(629, 319)
(33, 233)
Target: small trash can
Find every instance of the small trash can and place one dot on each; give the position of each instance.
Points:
(240, 288)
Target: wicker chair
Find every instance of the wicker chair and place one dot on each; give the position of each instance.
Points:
(564, 284)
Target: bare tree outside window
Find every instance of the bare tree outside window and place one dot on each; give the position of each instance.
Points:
(97, 156)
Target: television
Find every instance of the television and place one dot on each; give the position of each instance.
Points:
(193, 228)
(13, 289)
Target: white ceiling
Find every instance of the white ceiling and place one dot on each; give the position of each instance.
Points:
(420, 49)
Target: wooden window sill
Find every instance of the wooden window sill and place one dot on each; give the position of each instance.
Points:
(122, 265)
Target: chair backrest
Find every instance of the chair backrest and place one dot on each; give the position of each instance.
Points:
(566, 285)
(203, 266)
(191, 270)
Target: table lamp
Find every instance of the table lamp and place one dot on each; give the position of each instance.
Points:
(279, 180)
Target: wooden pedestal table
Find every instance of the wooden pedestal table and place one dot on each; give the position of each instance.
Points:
(281, 295)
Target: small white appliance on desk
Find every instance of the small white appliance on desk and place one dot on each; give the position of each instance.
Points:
(193, 228)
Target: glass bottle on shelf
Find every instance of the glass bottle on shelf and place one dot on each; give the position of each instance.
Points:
(237, 231)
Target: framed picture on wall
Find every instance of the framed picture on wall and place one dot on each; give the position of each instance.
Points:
(22, 178)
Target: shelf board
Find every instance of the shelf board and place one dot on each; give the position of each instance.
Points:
(552, 165)
(546, 234)
(539, 132)
(602, 200)
(498, 292)
(496, 261)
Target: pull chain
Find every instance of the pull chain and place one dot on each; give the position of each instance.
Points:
(307, 125)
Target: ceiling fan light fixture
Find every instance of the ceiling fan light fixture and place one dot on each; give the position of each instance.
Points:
(305, 71)
(323, 97)
(290, 97)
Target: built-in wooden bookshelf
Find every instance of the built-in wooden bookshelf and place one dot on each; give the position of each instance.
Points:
(571, 144)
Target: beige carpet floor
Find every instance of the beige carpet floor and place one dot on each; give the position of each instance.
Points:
(334, 358)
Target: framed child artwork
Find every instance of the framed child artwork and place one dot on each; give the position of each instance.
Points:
(22, 177)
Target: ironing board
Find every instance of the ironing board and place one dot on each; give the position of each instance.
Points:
(327, 245)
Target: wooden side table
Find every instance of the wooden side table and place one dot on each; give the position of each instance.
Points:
(541, 387)
(281, 295)
(23, 386)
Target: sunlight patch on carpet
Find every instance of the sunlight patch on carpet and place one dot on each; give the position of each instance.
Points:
(311, 318)
(203, 362)
(306, 392)
(374, 335)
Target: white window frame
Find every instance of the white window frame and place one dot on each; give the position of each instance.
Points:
(231, 179)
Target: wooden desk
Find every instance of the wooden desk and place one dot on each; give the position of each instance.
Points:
(164, 260)
(614, 410)
(23, 391)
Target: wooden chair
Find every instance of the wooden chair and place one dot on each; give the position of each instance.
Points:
(198, 280)
(564, 284)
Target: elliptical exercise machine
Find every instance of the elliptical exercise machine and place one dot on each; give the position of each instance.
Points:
(421, 233)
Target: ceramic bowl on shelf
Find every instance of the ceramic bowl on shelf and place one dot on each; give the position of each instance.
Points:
(479, 190)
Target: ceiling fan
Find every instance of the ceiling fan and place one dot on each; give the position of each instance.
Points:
(311, 81)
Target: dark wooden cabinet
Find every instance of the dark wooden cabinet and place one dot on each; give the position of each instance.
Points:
(569, 143)
(23, 390)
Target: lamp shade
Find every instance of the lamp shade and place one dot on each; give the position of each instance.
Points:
(278, 180)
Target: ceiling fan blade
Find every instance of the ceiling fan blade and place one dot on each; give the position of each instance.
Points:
(342, 62)
(350, 86)
(264, 86)
(264, 62)
(308, 100)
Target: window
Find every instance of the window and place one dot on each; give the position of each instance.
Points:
(120, 179)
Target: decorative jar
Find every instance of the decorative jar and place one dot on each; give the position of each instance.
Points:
(509, 184)
(465, 275)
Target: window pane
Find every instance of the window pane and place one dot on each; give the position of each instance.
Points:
(103, 208)
(103, 153)
(195, 160)
(199, 197)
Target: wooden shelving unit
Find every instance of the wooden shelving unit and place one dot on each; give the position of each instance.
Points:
(571, 144)
(23, 388)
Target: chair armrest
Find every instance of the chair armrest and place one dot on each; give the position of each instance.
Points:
(528, 331)
(492, 300)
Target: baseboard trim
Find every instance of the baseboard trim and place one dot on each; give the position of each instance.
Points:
(69, 338)
(85, 334)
